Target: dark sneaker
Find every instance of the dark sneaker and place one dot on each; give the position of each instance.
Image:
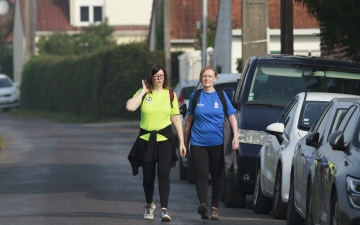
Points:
(164, 215)
(214, 215)
(149, 211)
(203, 211)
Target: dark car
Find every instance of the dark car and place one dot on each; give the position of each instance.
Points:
(267, 84)
(333, 195)
(303, 167)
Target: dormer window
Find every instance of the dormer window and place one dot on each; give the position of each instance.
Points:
(86, 12)
(91, 14)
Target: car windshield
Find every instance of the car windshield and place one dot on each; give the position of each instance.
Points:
(277, 84)
(309, 113)
(4, 82)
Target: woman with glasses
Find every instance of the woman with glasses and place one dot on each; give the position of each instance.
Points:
(154, 149)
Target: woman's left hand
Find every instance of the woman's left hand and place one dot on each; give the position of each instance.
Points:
(235, 144)
(182, 150)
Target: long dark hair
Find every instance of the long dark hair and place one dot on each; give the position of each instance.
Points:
(151, 72)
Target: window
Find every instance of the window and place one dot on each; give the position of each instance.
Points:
(84, 14)
(289, 119)
(323, 124)
(91, 14)
(309, 113)
(349, 129)
(97, 13)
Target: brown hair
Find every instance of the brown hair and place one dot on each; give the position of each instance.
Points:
(151, 72)
(207, 68)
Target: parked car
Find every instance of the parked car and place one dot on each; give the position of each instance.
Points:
(267, 84)
(225, 80)
(274, 160)
(183, 90)
(325, 173)
(9, 93)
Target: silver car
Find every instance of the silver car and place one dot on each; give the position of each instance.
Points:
(9, 93)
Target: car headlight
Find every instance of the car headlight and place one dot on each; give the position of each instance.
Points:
(252, 137)
(353, 189)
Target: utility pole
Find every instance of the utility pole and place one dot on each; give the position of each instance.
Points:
(167, 44)
(30, 26)
(255, 22)
(204, 28)
(287, 27)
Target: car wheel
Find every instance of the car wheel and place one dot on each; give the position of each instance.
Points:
(292, 216)
(182, 170)
(191, 171)
(261, 204)
(223, 191)
(278, 206)
(334, 210)
(309, 212)
(233, 197)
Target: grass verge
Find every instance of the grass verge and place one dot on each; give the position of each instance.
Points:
(1, 143)
(63, 117)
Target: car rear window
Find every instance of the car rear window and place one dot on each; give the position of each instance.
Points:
(186, 91)
(226, 85)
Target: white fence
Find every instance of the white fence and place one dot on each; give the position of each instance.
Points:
(190, 64)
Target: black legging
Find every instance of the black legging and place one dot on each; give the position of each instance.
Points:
(201, 156)
(164, 157)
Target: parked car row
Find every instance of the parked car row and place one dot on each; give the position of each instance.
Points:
(276, 158)
(268, 83)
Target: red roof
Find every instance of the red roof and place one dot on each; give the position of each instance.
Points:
(185, 13)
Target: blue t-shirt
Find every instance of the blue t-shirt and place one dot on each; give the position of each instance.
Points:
(208, 129)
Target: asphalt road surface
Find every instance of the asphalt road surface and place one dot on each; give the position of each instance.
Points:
(54, 174)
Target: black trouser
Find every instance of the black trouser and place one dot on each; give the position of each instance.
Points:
(164, 157)
(201, 156)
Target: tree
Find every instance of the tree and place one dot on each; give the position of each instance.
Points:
(90, 38)
(339, 22)
(211, 30)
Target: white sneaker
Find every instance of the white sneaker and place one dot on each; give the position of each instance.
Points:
(164, 215)
(149, 211)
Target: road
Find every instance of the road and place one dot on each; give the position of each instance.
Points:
(53, 174)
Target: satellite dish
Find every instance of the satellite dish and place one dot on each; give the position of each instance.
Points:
(4, 7)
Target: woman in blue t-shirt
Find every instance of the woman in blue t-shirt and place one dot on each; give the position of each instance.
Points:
(206, 140)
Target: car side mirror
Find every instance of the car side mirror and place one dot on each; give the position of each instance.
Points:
(336, 140)
(276, 129)
(183, 109)
(312, 139)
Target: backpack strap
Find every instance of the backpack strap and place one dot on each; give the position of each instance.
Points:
(171, 94)
(223, 101)
(195, 99)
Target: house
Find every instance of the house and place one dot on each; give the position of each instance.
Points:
(185, 14)
(130, 20)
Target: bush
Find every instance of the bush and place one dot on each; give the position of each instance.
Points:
(96, 84)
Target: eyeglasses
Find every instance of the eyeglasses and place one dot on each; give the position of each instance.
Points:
(158, 77)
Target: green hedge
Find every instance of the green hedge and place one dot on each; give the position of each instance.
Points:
(96, 85)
